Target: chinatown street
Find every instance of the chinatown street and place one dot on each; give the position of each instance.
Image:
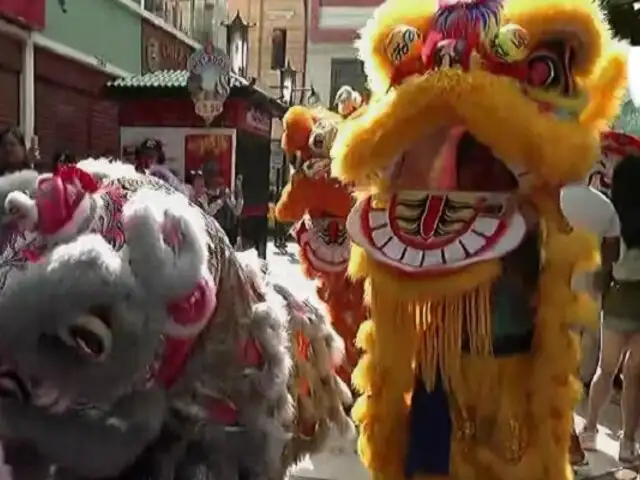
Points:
(342, 463)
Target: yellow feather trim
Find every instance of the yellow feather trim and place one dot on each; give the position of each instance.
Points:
(558, 151)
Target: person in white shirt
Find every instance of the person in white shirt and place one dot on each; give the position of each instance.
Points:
(619, 282)
(587, 208)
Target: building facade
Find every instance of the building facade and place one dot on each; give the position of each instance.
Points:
(269, 19)
(331, 56)
(277, 35)
(57, 55)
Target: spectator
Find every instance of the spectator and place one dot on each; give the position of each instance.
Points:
(14, 155)
(197, 189)
(149, 153)
(225, 206)
(621, 314)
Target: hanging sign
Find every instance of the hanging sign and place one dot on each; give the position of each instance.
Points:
(209, 81)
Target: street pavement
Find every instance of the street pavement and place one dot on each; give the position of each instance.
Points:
(343, 463)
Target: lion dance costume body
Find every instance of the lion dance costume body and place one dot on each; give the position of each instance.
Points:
(153, 349)
(319, 206)
(481, 113)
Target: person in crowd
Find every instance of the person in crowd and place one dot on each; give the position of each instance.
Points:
(197, 189)
(14, 154)
(151, 159)
(619, 281)
(279, 231)
(223, 204)
(148, 153)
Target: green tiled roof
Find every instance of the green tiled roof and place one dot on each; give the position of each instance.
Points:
(177, 80)
(163, 79)
(160, 79)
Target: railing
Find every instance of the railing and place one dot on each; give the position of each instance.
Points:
(195, 18)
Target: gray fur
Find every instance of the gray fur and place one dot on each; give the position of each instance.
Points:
(92, 446)
(106, 414)
(72, 280)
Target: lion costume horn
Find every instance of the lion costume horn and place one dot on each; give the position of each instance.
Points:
(482, 113)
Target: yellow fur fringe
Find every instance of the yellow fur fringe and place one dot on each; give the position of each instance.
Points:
(526, 399)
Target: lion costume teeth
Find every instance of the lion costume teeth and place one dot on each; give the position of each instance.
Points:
(481, 113)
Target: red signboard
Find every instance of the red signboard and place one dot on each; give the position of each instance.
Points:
(26, 13)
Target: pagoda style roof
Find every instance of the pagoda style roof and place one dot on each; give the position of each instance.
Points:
(174, 83)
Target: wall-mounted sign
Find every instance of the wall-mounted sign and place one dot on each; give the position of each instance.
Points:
(162, 50)
(257, 121)
(209, 81)
(29, 14)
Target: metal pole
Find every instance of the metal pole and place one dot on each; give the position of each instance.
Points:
(28, 108)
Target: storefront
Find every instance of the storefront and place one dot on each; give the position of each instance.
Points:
(71, 112)
(77, 53)
(158, 106)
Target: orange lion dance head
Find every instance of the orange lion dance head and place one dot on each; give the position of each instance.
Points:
(317, 203)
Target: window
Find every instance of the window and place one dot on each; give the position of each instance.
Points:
(278, 48)
(347, 71)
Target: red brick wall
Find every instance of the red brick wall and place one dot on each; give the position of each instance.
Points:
(10, 67)
(71, 111)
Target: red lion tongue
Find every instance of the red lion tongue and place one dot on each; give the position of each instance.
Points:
(444, 175)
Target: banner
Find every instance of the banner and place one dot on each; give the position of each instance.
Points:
(211, 153)
(28, 13)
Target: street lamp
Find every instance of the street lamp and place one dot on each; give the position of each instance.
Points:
(238, 44)
(313, 98)
(288, 83)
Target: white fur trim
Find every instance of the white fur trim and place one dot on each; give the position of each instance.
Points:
(19, 204)
(103, 168)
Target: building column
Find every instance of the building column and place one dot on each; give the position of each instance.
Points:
(27, 89)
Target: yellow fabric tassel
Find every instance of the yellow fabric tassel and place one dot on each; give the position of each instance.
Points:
(440, 327)
(401, 311)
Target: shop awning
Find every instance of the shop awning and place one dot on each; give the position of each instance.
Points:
(174, 82)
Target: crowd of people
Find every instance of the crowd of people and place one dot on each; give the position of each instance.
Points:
(207, 188)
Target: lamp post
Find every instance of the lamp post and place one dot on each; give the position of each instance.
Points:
(238, 44)
(288, 84)
(313, 98)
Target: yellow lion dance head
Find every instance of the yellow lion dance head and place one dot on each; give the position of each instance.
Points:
(481, 112)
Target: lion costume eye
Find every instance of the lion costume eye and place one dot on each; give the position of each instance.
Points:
(550, 67)
(545, 71)
(90, 336)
